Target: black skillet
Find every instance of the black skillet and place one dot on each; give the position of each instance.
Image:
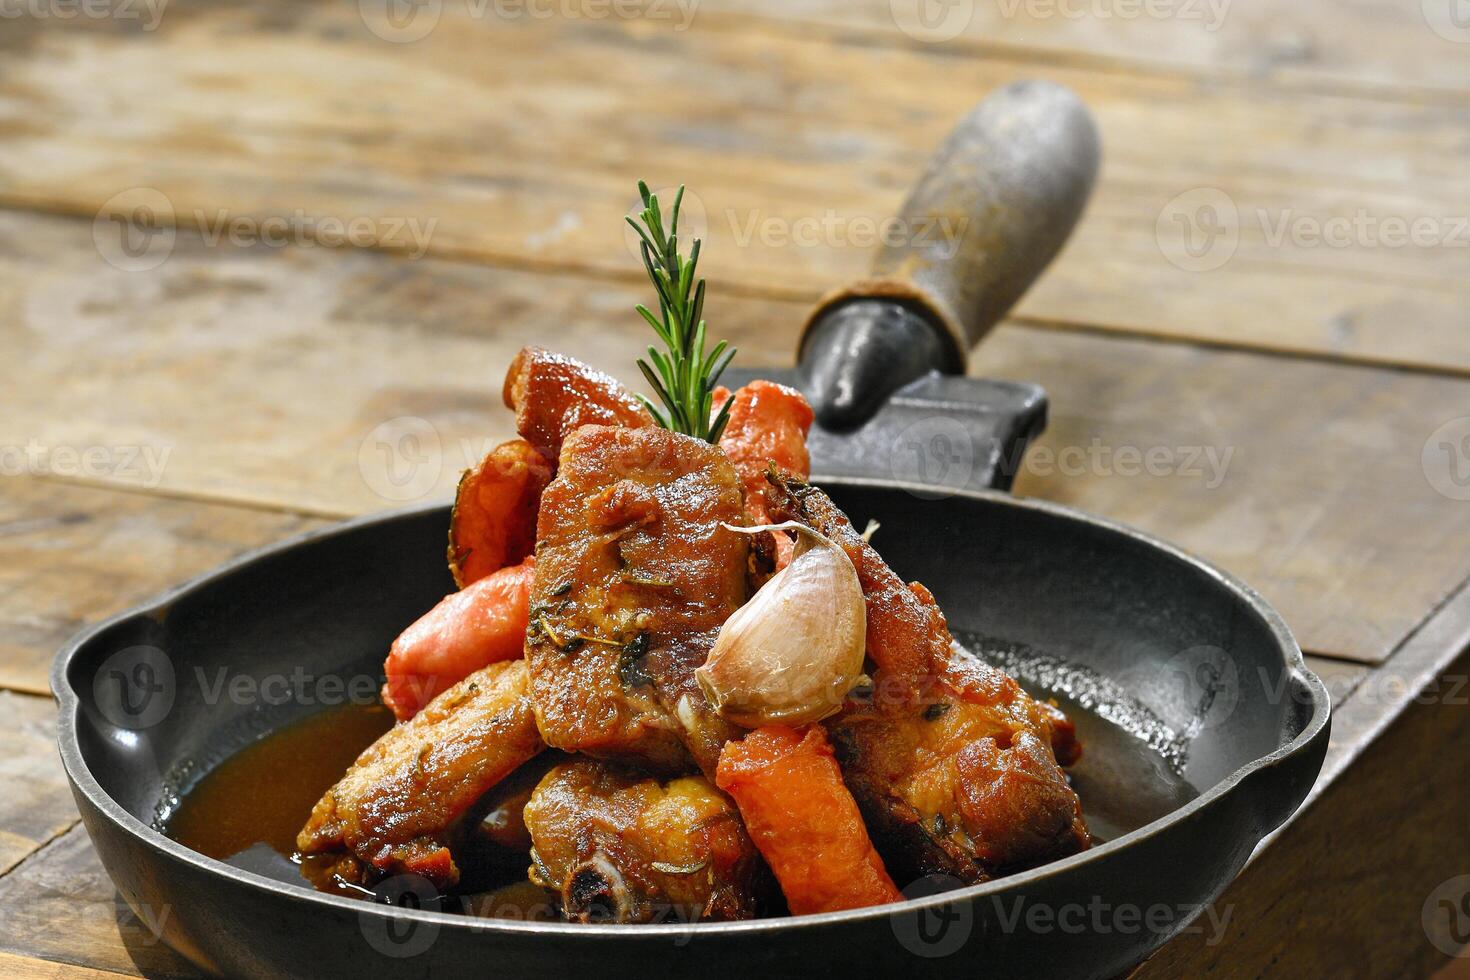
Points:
(1204, 728)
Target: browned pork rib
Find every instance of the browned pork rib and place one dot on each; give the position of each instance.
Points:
(396, 809)
(553, 394)
(634, 577)
(620, 847)
(954, 766)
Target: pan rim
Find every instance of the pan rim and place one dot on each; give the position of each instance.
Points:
(79, 772)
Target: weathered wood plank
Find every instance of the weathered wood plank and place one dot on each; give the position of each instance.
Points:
(798, 147)
(1285, 472)
(24, 968)
(1383, 47)
(72, 555)
(35, 804)
(60, 905)
(268, 375)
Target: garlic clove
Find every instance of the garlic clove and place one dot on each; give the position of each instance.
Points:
(791, 653)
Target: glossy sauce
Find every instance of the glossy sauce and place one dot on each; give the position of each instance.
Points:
(247, 810)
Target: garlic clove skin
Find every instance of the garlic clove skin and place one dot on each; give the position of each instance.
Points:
(790, 655)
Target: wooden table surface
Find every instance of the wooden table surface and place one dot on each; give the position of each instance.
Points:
(245, 245)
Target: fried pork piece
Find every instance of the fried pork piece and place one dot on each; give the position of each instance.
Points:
(620, 847)
(965, 779)
(956, 789)
(906, 636)
(634, 577)
(553, 394)
(396, 809)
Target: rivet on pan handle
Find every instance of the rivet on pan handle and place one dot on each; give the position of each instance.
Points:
(996, 204)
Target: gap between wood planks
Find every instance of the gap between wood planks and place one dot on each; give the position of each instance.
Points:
(32, 968)
(265, 506)
(199, 497)
(746, 290)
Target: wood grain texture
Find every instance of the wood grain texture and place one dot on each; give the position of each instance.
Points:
(25, 968)
(1303, 478)
(304, 379)
(61, 906)
(70, 556)
(798, 146)
(35, 803)
(1382, 48)
(342, 383)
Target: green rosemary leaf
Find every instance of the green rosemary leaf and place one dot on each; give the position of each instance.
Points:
(717, 428)
(684, 376)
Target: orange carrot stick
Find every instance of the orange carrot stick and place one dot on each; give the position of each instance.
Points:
(768, 424)
(473, 628)
(493, 523)
(803, 820)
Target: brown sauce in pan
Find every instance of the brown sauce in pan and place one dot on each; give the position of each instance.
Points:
(247, 810)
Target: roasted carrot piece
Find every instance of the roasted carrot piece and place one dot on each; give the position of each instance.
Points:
(803, 820)
(493, 523)
(468, 630)
(768, 424)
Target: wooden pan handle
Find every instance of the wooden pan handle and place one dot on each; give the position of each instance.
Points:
(994, 207)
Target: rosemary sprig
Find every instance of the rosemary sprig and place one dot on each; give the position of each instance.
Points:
(682, 375)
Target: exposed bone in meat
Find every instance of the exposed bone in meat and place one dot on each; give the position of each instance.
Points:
(621, 847)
